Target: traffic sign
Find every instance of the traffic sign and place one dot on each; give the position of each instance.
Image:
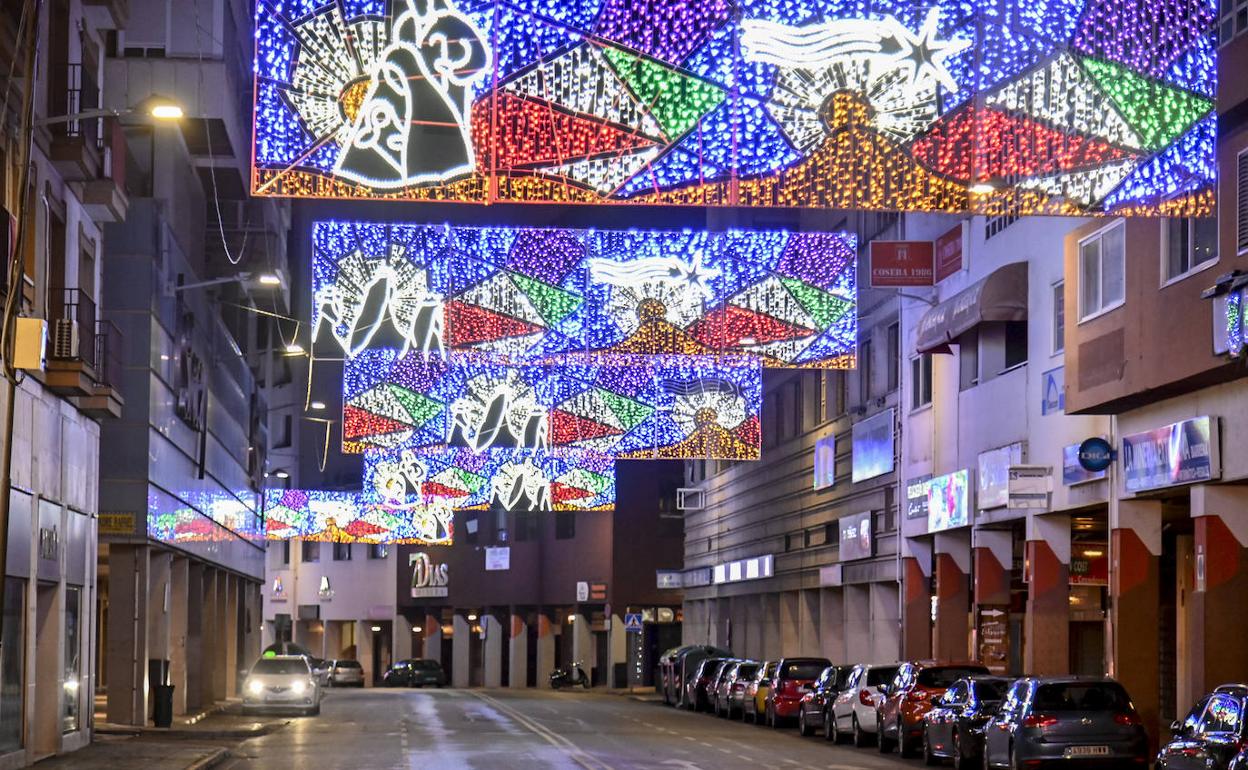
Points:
(632, 622)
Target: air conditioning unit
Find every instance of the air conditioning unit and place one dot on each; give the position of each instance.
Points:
(65, 338)
(690, 499)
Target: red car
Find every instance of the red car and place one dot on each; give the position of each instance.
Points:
(908, 698)
(794, 677)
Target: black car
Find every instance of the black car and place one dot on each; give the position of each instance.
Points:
(1060, 720)
(1210, 737)
(419, 672)
(954, 728)
(815, 711)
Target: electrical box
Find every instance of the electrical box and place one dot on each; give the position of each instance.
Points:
(31, 344)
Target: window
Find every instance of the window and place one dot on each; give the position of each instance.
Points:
(285, 552)
(968, 360)
(1058, 329)
(1015, 343)
(1222, 715)
(342, 552)
(11, 662)
(894, 356)
(1233, 21)
(565, 525)
(1241, 190)
(833, 394)
(311, 551)
(1102, 266)
(1186, 244)
(378, 551)
(526, 526)
(283, 433)
(921, 381)
(864, 371)
(73, 618)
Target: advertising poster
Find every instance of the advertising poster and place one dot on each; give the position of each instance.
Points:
(857, 540)
(825, 462)
(873, 446)
(1182, 453)
(948, 503)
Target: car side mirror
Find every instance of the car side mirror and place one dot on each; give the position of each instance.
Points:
(937, 700)
(1176, 727)
(764, 682)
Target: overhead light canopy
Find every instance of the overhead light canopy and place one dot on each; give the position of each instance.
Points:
(269, 279)
(294, 348)
(317, 405)
(161, 108)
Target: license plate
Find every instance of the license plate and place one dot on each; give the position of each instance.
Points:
(1086, 751)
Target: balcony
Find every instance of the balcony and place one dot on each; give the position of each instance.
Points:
(75, 147)
(71, 368)
(105, 399)
(105, 197)
(107, 14)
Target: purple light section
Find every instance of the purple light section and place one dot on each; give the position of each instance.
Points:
(545, 254)
(666, 29)
(1145, 35)
(815, 256)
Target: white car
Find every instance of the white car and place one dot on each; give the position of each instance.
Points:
(282, 683)
(346, 673)
(853, 711)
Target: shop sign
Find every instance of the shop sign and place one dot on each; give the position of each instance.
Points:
(116, 524)
(994, 638)
(324, 591)
(1030, 486)
(948, 253)
(948, 503)
(278, 591)
(744, 569)
(428, 579)
(582, 591)
(696, 578)
(994, 475)
(1073, 471)
(901, 263)
(825, 462)
(857, 539)
(597, 592)
(916, 496)
(873, 446)
(1053, 391)
(1095, 454)
(667, 579)
(1090, 566)
(1182, 453)
(497, 559)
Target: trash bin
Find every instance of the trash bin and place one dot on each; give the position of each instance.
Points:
(163, 710)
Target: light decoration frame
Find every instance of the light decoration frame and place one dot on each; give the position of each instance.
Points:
(1075, 107)
(204, 516)
(649, 408)
(525, 295)
(356, 517)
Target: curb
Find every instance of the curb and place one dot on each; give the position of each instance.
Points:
(217, 757)
(241, 734)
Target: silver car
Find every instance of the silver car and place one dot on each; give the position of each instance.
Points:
(346, 673)
(282, 683)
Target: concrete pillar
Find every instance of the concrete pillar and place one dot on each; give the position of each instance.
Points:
(220, 639)
(364, 650)
(832, 617)
(210, 630)
(196, 676)
(1046, 629)
(583, 644)
(1218, 637)
(1135, 604)
(229, 635)
(401, 639)
(617, 647)
(951, 635)
(916, 619)
(994, 560)
(858, 623)
(433, 637)
(808, 622)
(253, 633)
(518, 651)
(178, 608)
(790, 622)
(545, 648)
(773, 646)
(492, 649)
(460, 651)
(885, 622)
(126, 657)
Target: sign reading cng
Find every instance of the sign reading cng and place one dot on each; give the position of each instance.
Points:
(428, 579)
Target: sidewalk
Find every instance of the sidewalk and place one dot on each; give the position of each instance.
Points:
(643, 694)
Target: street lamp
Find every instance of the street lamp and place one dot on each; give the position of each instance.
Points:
(264, 279)
(158, 107)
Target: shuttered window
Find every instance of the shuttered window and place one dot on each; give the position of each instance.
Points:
(1241, 204)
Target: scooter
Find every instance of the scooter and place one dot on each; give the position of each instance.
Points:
(569, 677)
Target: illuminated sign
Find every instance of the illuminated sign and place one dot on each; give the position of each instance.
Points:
(1182, 453)
(994, 475)
(753, 568)
(825, 461)
(428, 579)
(525, 295)
(857, 540)
(1070, 108)
(948, 501)
(873, 446)
(652, 408)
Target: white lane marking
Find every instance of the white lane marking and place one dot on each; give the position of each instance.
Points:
(574, 752)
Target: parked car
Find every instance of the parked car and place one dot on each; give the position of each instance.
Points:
(755, 701)
(345, 673)
(853, 711)
(419, 672)
(282, 683)
(1063, 719)
(908, 698)
(700, 692)
(954, 728)
(1212, 739)
(815, 710)
(793, 677)
(678, 665)
(731, 688)
(717, 693)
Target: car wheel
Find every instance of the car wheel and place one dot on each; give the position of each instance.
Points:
(905, 744)
(803, 726)
(960, 760)
(1014, 764)
(859, 735)
(929, 758)
(314, 711)
(984, 757)
(882, 741)
(773, 720)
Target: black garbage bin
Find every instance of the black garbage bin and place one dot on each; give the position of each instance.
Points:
(162, 712)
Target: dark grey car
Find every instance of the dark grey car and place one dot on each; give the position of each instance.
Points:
(1072, 722)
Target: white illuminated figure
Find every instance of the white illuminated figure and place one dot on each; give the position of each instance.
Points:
(492, 406)
(681, 287)
(515, 482)
(424, 78)
(368, 294)
(396, 481)
(896, 70)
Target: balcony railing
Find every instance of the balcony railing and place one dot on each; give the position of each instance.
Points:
(72, 318)
(108, 342)
(82, 93)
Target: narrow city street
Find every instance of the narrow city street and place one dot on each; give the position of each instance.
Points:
(511, 729)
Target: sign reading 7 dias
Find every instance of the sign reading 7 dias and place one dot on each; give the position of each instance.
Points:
(428, 579)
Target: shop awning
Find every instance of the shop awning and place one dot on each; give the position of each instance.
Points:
(1002, 296)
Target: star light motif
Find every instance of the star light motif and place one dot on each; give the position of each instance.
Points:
(696, 276)
(921, 56)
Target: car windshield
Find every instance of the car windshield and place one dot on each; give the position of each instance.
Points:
(943, 676)
(280, 666)
(347, 664)
(881, 676)
(990, 691)
(427, 665)
(1076, 696)
(803, 670)
(747, 670)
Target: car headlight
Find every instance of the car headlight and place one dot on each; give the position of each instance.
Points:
(254, 687)
(298, 687)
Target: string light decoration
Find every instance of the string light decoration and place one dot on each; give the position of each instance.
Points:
(202, 516)
(648, 408)
(356, 517)
(531, 295)
(510, 480)
(796, 103)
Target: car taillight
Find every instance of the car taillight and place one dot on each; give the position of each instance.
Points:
(1128, 719)
(865, 699)
(1039, 720)
(919, 695)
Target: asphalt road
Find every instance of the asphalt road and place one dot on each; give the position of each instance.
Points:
(511, 729)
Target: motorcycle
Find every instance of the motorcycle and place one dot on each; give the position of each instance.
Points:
(569, 677)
